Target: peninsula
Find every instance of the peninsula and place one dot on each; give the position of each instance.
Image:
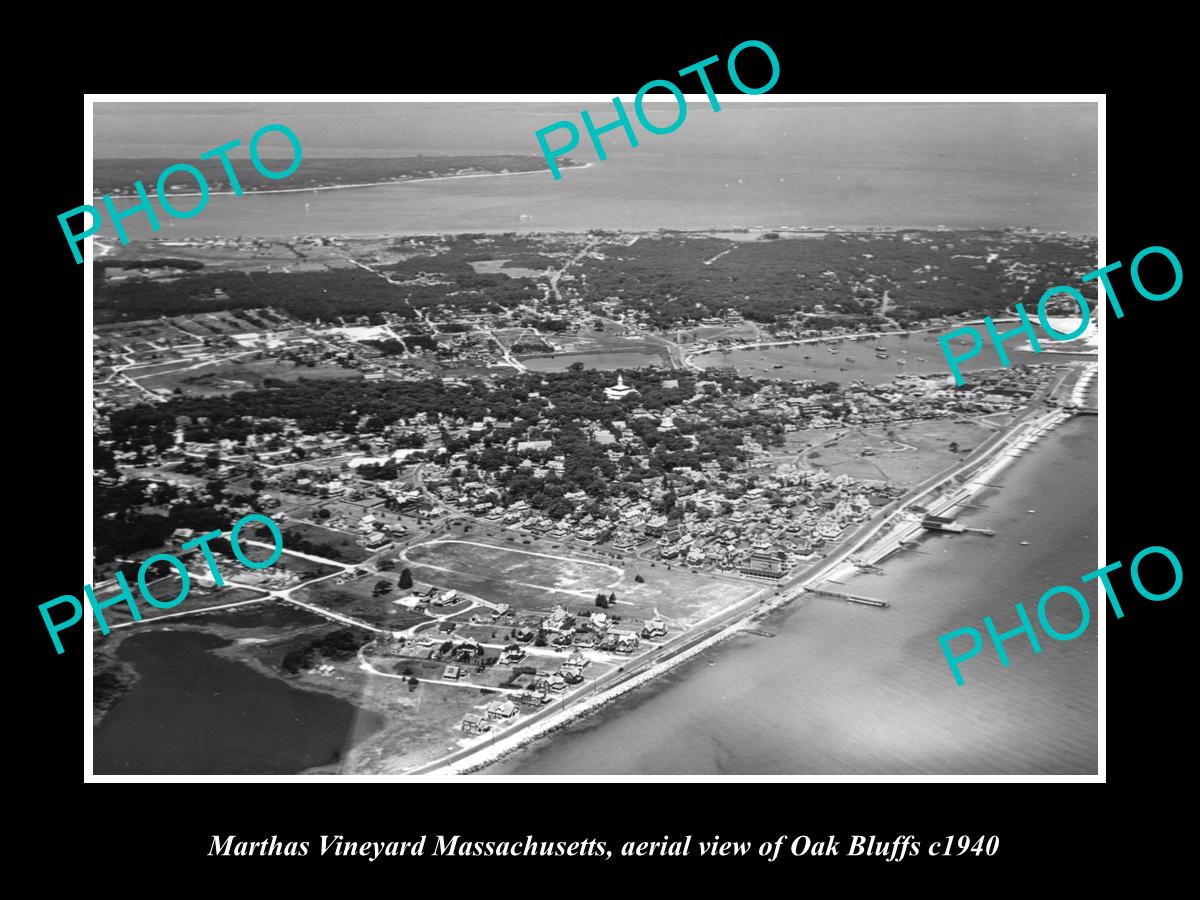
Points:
(117, 176)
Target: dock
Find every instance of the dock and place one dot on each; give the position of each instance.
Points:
(761, 632)
(947, 524)
(850, 598)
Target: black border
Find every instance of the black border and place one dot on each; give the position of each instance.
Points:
(1147, 397)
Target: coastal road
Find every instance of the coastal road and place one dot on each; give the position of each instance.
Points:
(187, 612)
(732, 619)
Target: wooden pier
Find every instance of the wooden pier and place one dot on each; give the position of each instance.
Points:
(948, 525)
(850, 598)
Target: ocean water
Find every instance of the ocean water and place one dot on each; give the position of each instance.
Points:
(850, 689)
(847, 165)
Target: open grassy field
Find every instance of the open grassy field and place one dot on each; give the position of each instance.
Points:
(271, 619)
(537, 578)
(357, 599)
(634, 358)
(747, 330)
(166, 589)
(239, 374)
(247, 255)
(523, 571)
(917, 451)
(327, 542)
(498, 266)
(153, 334)
(422, 724)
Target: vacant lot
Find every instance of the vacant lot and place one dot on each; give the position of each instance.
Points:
(648, 355)
(511, 576)
(240, 374)
(421, 725)
(137, 335)
(537, 579)
(326, 542)
(914, 452)
(166, 589)
(359, 600)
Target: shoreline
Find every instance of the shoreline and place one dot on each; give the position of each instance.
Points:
(533, 231)
(870, 548)
(342, 187)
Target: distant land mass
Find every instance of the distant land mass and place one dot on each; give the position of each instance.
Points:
(117, 176)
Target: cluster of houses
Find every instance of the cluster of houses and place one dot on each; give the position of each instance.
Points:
(576, 633)
(731, 510)
(728, 515)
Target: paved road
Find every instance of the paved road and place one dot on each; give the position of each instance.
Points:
(895, 512)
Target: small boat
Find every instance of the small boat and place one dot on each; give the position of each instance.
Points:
(808, 357)
(1031, 511)
(901, 362)
(1024, 543)
(777, 366)
(920, 359)
(849, 359)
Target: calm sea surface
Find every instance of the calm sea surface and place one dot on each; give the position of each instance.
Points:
(848, 165)
(848, 689)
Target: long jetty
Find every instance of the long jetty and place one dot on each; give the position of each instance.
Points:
(850, 598)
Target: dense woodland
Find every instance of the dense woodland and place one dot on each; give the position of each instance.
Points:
(338, 646)
(667, 277)
(121, 524)
(558, 407)
(311, 296)
(355, 407)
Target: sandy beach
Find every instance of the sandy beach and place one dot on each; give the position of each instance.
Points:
(370, 184)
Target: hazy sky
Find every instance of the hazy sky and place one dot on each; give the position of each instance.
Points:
(1015, 135)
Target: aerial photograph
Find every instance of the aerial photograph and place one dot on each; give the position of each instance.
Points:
(657, 468)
